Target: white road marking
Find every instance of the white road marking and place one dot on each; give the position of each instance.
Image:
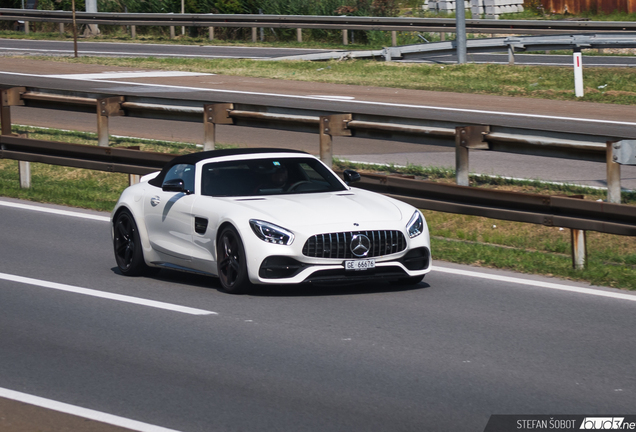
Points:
(140, 54)
(548, 285)
(126, 44)
(333, 97)
(140, 74)
(105, 295)
(81, 412)
(354, 102)
(55, 211)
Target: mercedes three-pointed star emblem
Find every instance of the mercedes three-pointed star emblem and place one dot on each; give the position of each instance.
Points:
(360, 245)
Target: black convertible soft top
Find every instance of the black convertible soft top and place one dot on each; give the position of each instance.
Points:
(193, 158)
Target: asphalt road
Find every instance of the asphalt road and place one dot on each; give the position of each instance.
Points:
(441, 356)
(533, 60)
(108, 49)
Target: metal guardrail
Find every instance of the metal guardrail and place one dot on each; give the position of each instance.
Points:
(320, 22)
(514, 206)
(509, 44)
(612, 150)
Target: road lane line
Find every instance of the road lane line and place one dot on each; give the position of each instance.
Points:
(355, 102)
(55, 211)
(105, 295)
(138, 74)
(81, 412)
(133, 54)
(548, 285)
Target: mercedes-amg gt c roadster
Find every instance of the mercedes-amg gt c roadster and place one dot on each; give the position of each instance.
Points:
(266, 216)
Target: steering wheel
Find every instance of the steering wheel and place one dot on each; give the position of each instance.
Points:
(295, 185)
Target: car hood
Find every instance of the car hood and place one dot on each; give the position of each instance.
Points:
(355, 206)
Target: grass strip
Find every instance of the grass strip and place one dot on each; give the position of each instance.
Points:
(602, 84)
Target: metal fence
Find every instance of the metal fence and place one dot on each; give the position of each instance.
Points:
(320, 22)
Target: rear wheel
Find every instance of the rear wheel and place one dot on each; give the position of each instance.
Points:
(231, 262)
(127, 244)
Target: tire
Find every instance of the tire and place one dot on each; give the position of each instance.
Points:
(231, 262)
(412, 280)
(127, 245)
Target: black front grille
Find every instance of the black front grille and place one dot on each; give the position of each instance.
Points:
(338, 245)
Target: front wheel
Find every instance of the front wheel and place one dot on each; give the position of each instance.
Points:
(231, 262)
(127, 244)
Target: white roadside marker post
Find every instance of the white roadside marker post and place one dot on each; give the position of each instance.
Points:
(578, 72)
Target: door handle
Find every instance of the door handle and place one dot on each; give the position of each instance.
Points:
(155, 201)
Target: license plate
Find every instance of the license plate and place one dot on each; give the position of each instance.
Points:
(359, 264)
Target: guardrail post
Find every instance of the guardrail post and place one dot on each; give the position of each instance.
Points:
(393, 38)
(107, 107)
(345, 37)
(299, 35)
(8, 98)
(467, 137)
(511, 55)
(579, 249)
(613, 174)
(211, 33)
(214, 114)
(172, 33)
(61, 27)
(133, 32)
(331, 126)
(254, 34)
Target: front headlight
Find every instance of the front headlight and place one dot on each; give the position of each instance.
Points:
(271, 233)
(416, 224)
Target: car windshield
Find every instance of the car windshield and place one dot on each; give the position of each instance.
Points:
(274, 176)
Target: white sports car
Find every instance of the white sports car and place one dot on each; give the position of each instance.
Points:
(266, 216)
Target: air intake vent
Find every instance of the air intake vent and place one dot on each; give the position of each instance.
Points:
(338, 245)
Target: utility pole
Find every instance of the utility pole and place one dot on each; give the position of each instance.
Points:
(460, 26)
(91, 29)
(182, 12)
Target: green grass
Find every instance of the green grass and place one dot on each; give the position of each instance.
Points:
(603, 85)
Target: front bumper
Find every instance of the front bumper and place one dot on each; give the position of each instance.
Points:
(288, 270)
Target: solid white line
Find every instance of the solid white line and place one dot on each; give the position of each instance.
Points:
(130, 54)
(357, 102)
(122, 44)
(139, 74)
(81, 412)
(548, 285)
(105, 295)
(55, 211)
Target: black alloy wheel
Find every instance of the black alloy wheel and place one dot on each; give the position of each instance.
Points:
(128, 250)
(232, 265)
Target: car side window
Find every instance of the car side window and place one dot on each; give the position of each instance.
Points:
(184, 172)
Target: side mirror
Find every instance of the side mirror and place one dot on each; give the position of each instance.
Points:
(351, 176)
(174, 185)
